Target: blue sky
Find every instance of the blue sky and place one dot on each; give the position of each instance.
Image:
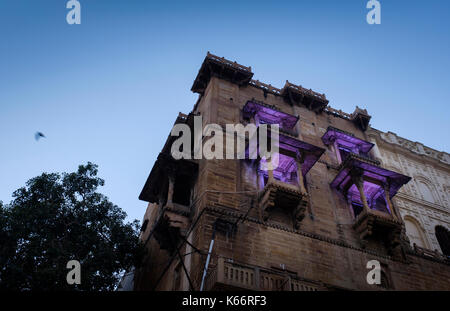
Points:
(109, 90)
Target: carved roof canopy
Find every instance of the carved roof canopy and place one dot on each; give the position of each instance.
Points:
(214, 66)
(269, 114)
(346, 139)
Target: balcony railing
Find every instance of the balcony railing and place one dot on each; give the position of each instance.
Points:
(277, 194)
(227, 62)
(369, 221)
(375, 218)
(228, 275)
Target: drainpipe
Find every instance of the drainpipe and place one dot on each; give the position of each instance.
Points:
(208, 258)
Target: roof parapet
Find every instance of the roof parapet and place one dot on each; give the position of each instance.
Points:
(361, 118)
(296, 94)
(215, 66)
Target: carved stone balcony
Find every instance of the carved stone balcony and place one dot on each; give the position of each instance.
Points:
(380, 224)
(169, 186)
(172, 223)
(227, 275)
(283, 186)
(262, 113)
(369, 189)
(279, 194)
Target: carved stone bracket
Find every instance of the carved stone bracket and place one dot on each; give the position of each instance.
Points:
(280, 195)
(370, 223)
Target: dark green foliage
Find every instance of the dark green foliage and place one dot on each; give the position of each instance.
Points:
(59, 217)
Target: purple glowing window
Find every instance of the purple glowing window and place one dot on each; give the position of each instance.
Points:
(375, 195)
(375, 180)
(346, 143)
(285, 172)
(265, 114)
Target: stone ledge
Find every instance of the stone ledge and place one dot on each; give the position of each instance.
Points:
(317, 236)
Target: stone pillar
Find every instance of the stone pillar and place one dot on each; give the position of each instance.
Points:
(301, 182)
(391, 206)
(359, 183)
(336, 150)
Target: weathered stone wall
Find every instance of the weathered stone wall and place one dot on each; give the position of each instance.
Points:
(325, 248)
(424, 201)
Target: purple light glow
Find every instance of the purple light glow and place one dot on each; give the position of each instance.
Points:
(285, 172)
(289, 146)
(375, 196)
(346, 141)
(379, 175)
(264, 114)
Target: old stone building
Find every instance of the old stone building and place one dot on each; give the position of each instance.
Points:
(342, 194)
(424, 201)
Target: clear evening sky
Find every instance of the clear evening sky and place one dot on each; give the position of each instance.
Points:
(109, 90)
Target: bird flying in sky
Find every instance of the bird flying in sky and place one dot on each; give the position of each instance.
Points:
(38, 135)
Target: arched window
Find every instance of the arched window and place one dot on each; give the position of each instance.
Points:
(414, 232)
(426, 192)
(443, 237)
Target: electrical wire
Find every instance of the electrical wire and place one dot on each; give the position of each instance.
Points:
(193, 226)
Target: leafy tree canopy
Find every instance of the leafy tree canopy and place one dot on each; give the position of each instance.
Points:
(60, 217)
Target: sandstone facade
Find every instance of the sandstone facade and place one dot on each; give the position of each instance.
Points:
(305, 226)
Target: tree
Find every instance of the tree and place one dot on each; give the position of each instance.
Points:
(56, 218)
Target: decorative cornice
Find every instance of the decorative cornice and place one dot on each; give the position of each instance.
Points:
(340, 131)
(363, 216)
(406, 197)
(361, 158)
(299, 232)
(414, 147)
(259, 102)
(265, 87)
(238, 215)
(280, 186)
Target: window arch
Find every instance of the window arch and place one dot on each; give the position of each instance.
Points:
(426, 192)
(415, 232)
(446, 193)
(443, 237)
(426, 189)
